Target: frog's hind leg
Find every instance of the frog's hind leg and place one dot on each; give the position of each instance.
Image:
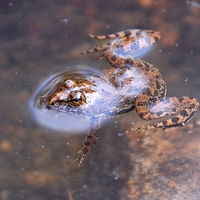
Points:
(90, 140)
(179, 111)
(97, 49)
(134, 33)
(121, 34)
(105, 37)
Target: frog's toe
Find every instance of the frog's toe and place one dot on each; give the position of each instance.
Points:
(81, 157)
(142, 129)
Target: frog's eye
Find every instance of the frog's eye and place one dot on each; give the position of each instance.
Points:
(68, 83)
(76, 98)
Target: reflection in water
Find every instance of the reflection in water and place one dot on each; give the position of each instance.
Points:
(132, 46)
(52, 118)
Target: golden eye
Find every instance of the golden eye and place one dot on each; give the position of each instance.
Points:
(76, 98)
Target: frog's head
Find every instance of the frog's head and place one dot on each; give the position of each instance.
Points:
(69, 93)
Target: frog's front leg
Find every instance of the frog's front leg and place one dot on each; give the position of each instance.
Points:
(179, 111)
(90, 139)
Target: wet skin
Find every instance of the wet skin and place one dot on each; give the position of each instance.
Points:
(131, 84)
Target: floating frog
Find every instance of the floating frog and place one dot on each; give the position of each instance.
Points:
(131, 84)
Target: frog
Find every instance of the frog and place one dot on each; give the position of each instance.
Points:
(131, 84)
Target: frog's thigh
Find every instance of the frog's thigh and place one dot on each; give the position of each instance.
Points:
(178, 109)
(120, 34)
(97, 49)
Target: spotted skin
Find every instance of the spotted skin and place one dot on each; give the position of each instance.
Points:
(127, 34)
(131, 84)
(125, 42)
(90, 140)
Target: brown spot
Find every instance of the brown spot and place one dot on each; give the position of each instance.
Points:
(164, 123)
(89, 136)
(159, 113)
(138, 33)
(181, 99)
(117, 34)
(142, 114)
(156, 93)
(128, 63)
(183, 113)
(156, 38)
(95, 49)
(174, 110)
(141, 103)
(113, 58)
(192, 105)
(87, 143)
(148, 91)
(158, 85)
(175, 119)
(127, 33)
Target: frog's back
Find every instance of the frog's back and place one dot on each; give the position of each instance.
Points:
(128, 83)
